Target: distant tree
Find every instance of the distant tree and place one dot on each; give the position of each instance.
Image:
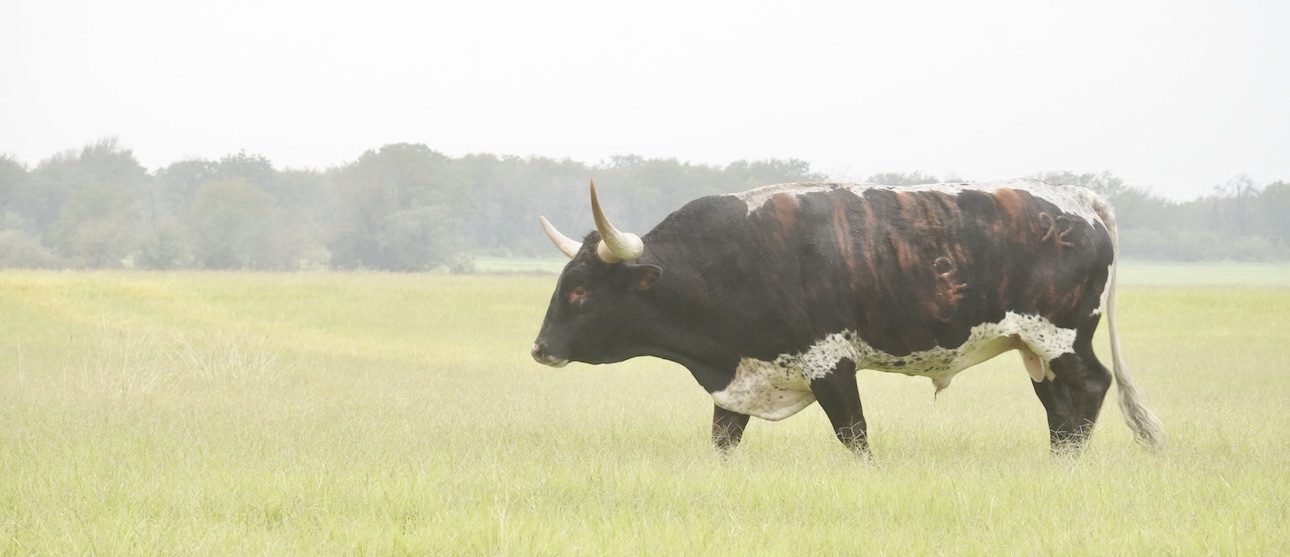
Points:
(1232, 205)
(163, 245)
(1135, 207)
(257, 170)
(953, 177)
(308, 202)
(407, 207)
(12, 176)
(656, 187)
(304, 190)
(399, 209)
(234, 225)
(1103, 183)
(175, 186)
(509, 193)
(1274, 211)
(750, 174)
(164, 241)
(901, 179)
(639, 192)
(97, 225)
(53, 181)
(19, 249)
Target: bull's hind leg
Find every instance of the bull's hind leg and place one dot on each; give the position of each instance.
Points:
(839, 396)
(1073, 397)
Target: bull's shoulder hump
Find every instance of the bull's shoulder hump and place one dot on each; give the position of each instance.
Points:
(1069, 199)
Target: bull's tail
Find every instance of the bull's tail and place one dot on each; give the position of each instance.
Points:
(1146, 427)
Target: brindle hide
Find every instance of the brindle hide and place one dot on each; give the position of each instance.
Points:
(773, 297)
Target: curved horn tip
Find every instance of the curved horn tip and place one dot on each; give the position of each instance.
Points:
(568, 246)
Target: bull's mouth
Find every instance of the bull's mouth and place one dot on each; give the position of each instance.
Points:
(543, 357)
(552, 361)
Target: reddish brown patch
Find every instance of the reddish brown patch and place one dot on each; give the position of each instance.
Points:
(906, 255)
(868, 250)
(842, 237)
(936, 212)
(784, 209)
(909, 207)
(1011, 203)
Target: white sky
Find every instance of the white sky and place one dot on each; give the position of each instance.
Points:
(1174, 95)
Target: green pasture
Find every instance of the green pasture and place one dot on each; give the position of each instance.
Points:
(382, 414)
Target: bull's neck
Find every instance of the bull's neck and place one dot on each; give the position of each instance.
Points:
(688, 328)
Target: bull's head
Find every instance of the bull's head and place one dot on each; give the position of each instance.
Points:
(599, 309)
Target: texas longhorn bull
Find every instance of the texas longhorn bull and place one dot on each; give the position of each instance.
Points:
(774, 297)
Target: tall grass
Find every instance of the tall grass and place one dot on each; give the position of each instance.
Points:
(384, 414)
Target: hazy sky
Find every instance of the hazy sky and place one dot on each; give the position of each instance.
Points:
(1174, 95)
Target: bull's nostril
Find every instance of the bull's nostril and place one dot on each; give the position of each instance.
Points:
(543, 357)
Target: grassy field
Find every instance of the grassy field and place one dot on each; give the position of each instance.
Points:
(377, 414)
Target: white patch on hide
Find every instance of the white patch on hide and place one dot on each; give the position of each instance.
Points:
(776, 390)
(1106, 289)
(765, 390)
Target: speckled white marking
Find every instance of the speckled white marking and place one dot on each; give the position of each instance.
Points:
(1071, 200)
(766, 390)
(776, 390)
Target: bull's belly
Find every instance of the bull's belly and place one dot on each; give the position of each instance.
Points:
(768, 390)
(774, 390)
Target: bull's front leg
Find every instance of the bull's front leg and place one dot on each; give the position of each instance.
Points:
(839, 396)
(727, 428)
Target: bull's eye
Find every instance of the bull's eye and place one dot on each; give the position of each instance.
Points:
(578, 295)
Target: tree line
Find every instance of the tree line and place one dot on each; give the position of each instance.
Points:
(406, 207)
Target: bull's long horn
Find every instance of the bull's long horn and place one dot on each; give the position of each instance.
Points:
(615, 245)
(568, 246)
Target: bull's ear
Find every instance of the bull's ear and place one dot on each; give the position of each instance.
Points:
(641, 277)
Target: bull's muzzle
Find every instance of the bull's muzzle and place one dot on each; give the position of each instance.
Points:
(545, 358)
